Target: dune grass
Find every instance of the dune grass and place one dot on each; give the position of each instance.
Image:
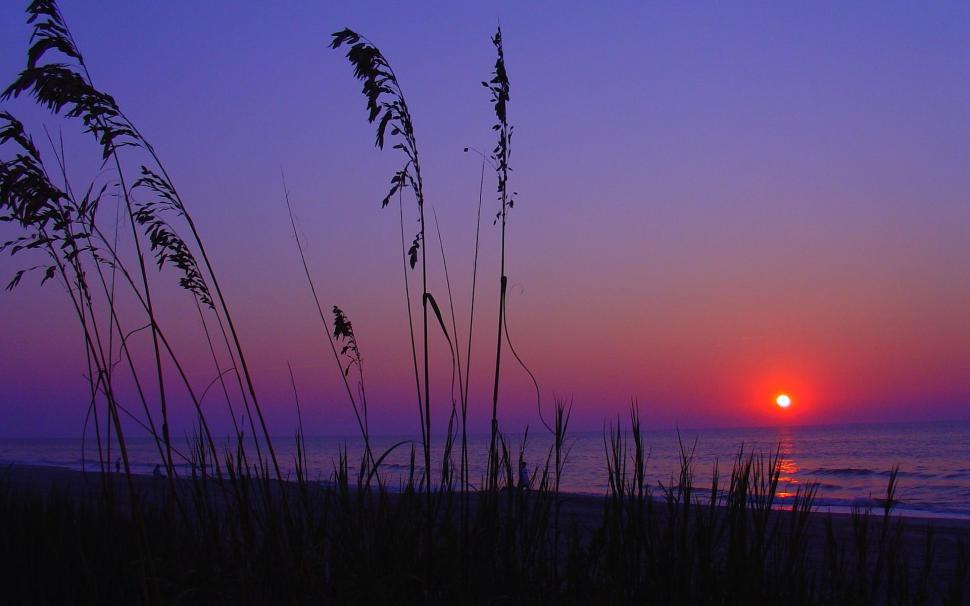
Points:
(238, 530)
(349, 541)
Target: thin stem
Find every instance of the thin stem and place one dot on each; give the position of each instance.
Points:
(333, 346)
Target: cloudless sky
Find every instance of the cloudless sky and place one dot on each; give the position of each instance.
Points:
(717, 203)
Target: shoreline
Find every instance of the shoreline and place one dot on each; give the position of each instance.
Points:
(932, 546)
(47, 479)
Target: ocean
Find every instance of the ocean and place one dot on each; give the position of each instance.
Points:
(850, 463)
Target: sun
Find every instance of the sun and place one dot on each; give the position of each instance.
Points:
(783, 400)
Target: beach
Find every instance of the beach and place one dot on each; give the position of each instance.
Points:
(582, 513)
(850, 464)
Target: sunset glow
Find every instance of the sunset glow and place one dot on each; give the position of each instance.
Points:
(725, 238)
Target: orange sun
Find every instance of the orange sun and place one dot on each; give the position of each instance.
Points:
(783, 400)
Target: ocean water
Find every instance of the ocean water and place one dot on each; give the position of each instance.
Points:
(850, 464)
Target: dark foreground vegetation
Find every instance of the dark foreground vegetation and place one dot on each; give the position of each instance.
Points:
(239, 530)
(249, 542)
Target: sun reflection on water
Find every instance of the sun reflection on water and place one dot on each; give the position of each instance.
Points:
(787, 466)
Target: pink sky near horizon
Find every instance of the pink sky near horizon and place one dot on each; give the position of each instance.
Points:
(715, 206)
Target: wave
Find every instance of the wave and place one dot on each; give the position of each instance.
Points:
(863, 472)
(901, 508)
(842, 471)
(829, 487)
(957, 474)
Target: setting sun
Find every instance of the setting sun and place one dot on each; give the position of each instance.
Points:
(783, 400)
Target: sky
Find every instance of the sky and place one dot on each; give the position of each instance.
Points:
(716, 204)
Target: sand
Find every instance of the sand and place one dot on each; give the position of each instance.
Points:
(582, 510)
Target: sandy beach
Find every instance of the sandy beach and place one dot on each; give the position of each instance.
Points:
(583, 512)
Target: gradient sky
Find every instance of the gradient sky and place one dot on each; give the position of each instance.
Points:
(716, 203)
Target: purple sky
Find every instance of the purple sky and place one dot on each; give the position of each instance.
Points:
(716, 204)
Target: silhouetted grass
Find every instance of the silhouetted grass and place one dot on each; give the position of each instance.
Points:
(346, 542)
(499, 88)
